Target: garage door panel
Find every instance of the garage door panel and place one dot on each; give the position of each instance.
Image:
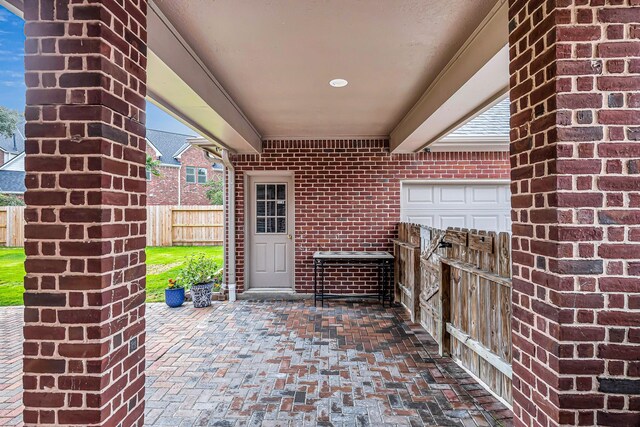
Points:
(417, 194)
(486, 222)
(485, 194)
(447, 221)
(473, 205)
(421, 219)
(452, 194)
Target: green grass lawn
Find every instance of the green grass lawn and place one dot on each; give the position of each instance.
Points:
(162, 264)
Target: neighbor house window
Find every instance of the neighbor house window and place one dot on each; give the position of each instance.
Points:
(202, 176)
(196, 175)
(148, 175)
(191, 175)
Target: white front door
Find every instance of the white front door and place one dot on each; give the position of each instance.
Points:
(482, 205)
(270, 227)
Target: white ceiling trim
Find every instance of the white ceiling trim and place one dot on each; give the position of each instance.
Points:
(494, 145)
(476, 76)
(179, 82)
(325, 138)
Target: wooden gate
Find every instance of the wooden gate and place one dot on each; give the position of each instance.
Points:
(430, 281)
(464, 297)
(406, 250)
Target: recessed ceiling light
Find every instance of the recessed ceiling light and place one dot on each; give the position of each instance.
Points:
(338, 82)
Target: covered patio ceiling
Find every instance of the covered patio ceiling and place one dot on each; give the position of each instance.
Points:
(240, 72)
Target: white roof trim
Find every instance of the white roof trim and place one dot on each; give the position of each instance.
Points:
(182, 149)
(470, 144)
(158, 153)
(14, 159)
(476, 138)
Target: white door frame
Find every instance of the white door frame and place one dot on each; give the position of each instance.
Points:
(248, 221)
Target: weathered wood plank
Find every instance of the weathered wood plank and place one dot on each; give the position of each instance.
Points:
(499, 363)
(445, 307)
(469, 268)
(481, 242)
(456, 237)
(505, 297)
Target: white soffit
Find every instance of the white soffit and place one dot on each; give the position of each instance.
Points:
(476, 77)
(276, 58)
(179, 83)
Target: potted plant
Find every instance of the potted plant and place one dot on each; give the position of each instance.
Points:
(218, 292)
(198, 273)
(174, 294)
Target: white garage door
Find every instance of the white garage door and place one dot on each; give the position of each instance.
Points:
(482, 206)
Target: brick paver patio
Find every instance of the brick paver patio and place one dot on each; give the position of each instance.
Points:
(286, 364)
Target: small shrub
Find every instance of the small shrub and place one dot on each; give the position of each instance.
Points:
(215, 191)
(197, 269)
(10, 200)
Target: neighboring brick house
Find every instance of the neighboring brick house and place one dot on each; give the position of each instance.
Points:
(184, 170)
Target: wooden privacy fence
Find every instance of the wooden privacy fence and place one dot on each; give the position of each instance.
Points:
(185, 225)
(11, 225)
(166, 225)
(457, 284)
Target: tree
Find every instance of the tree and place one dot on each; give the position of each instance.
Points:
(153, 166)
(10, 200)
(8, 121)
(215, 192)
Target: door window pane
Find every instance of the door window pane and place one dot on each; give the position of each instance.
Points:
(271, 208)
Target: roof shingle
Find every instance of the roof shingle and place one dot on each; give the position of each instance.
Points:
(493, 122)
(13, 145)
(169, 144)
(12, 182)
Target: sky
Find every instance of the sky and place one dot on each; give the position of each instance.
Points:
(12, 88)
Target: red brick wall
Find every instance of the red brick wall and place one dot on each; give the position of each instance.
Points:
(164, 190)
(575, 147)
(84, 331)
(195, 194)
(347, 196)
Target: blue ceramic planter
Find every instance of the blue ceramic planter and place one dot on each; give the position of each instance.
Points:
(174, 297)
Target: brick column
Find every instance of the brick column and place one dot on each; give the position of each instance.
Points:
(575, 149)
(85, 284)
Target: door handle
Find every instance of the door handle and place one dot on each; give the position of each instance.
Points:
(289, 236)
